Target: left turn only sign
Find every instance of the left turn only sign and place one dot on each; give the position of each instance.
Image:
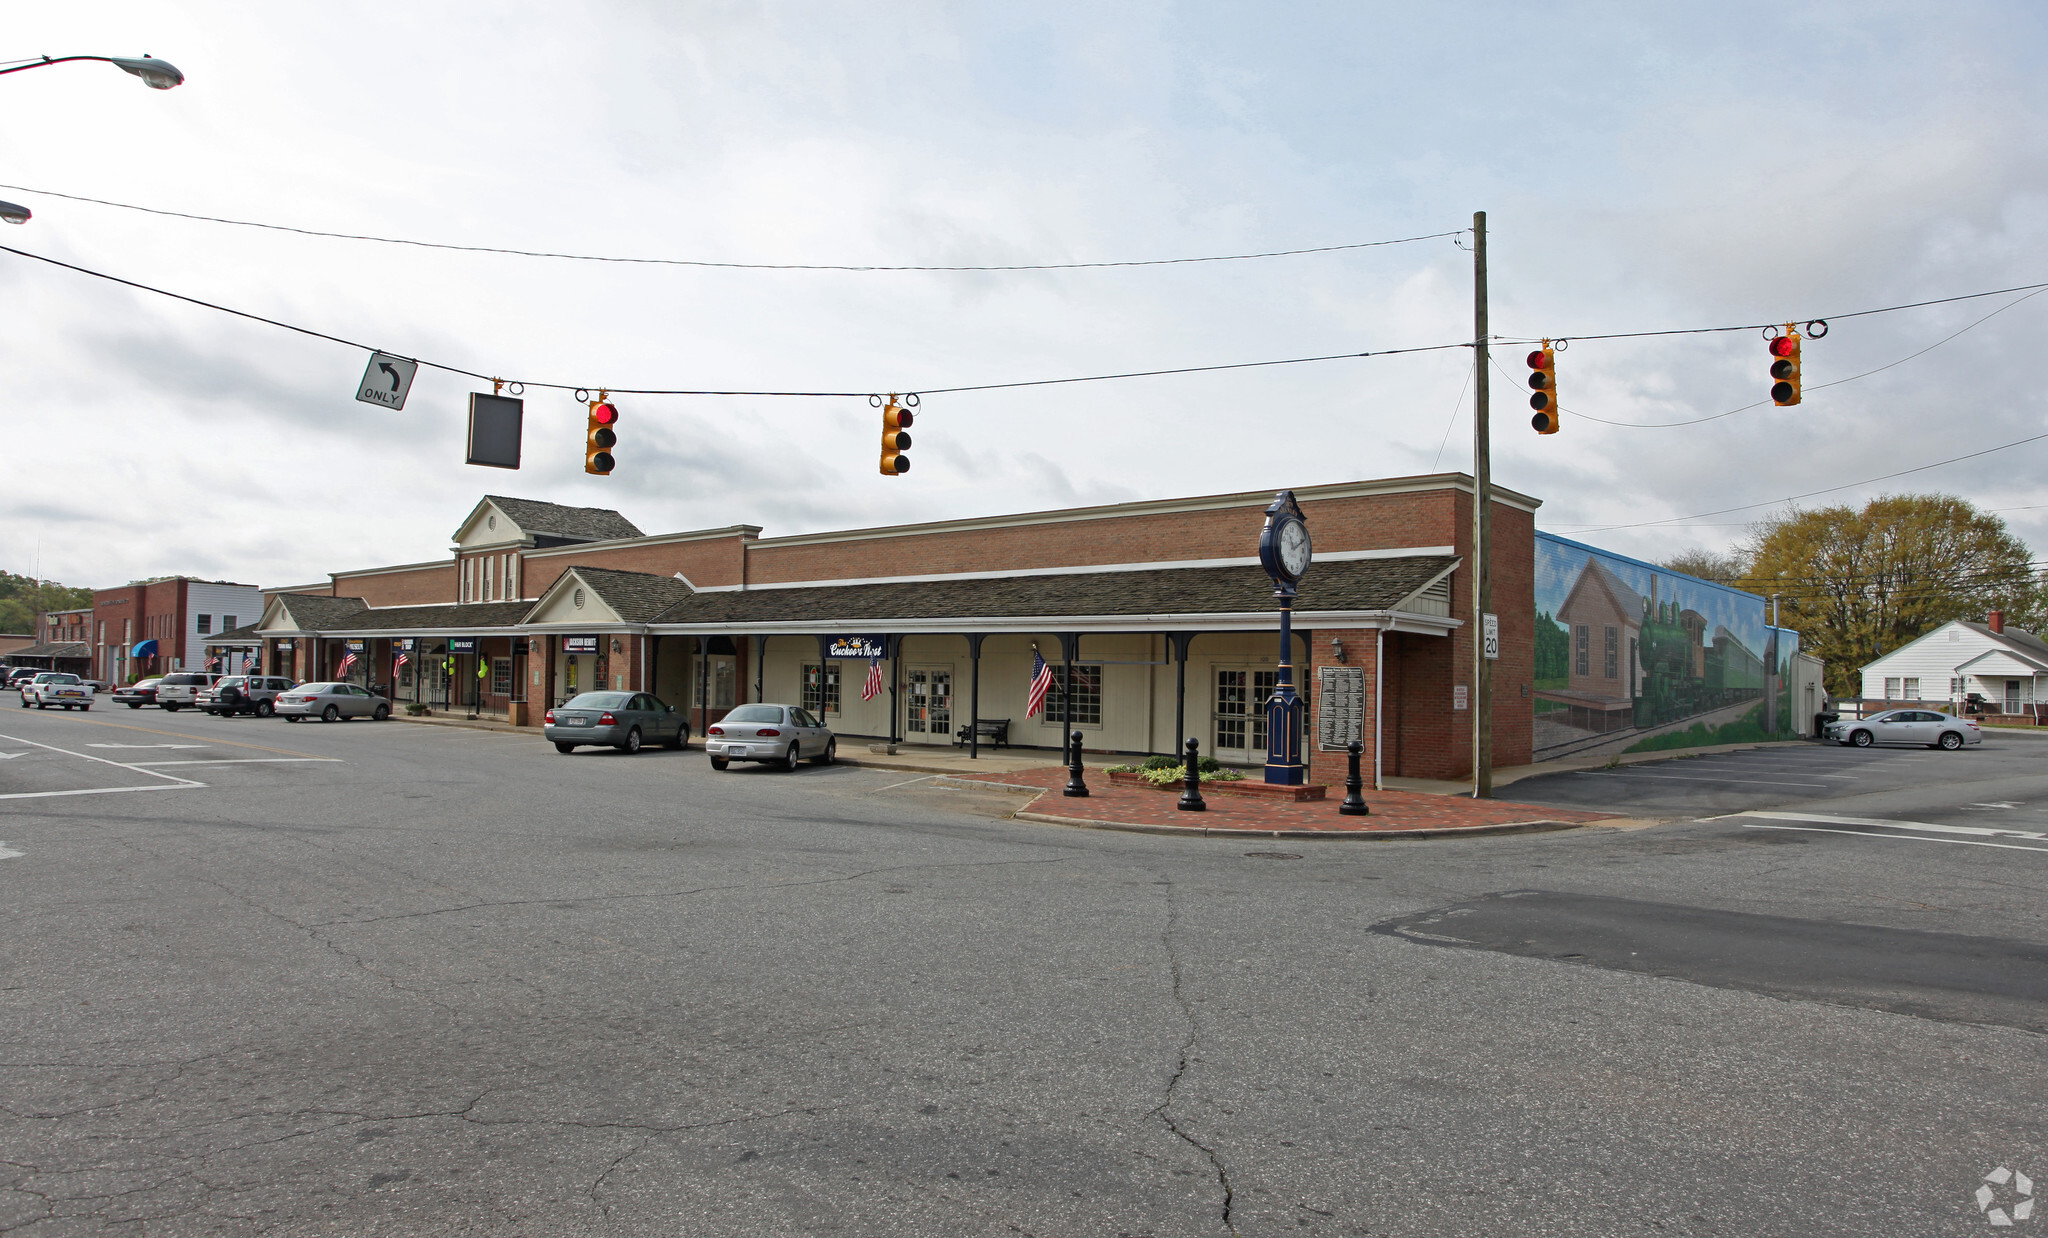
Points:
(387, 380)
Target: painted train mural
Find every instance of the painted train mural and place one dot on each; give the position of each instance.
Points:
(1632, 657)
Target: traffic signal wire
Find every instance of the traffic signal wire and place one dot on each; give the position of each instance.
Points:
(1793, 498)
(489, 378)
(1759, 326)
(1666, 425)
(736, 266)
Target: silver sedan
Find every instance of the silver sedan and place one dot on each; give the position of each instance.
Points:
(782, 734)
(331, 701)
(622, 720)
(1906, 726)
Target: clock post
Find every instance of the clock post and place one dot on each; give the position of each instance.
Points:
(1284, 552)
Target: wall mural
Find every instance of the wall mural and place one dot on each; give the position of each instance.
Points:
(1631, 657)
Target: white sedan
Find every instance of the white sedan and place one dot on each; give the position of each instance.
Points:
(783, 734)
(1919, 727)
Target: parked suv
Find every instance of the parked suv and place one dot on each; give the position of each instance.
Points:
(242, 694)
(176, 691)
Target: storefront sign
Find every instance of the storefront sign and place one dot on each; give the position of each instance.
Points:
(862, 647)
(579, 644)
(353, 646)
(287, 645)
(462, 644)
(404, 645)
(1340, 707)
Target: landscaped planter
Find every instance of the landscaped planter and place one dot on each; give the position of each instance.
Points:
(1244, 786)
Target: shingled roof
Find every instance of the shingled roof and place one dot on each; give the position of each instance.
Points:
(312, 612)
(464, 618)
(637, 596)
(1357, 585)
(554, 520)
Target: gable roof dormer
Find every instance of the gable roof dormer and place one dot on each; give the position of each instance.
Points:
(498, 520)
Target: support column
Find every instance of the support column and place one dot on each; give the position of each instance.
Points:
(1070, 649)
(1178, 643)
(760, 673)
(974, 640)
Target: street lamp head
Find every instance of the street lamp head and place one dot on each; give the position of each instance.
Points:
(155, 74)
(15, 214)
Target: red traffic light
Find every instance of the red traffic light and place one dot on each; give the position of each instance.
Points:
(604, 414)
(1538, 359)
(1782, 346)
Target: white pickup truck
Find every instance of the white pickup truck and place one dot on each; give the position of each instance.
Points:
(56, 688)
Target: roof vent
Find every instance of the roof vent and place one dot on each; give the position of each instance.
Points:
(1995, 620)
(577, 598)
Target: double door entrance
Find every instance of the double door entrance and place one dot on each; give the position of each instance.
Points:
(928, 704)
(1238, 731)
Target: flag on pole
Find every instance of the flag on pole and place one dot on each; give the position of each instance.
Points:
(873, 687)
(341, 672)
(401, 660)
(1041, 683)
(248, 663)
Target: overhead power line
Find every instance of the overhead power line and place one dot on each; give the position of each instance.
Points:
(528, 382)
(735, 266)
(1758, 326)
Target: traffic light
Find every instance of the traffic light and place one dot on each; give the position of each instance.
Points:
(1785, 367)
(896, 421)
(1543, 389)
(597, 449)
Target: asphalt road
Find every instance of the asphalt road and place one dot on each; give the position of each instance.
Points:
(389, 979)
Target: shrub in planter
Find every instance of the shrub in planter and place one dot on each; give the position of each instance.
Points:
(1162, 762)
(1175, 773)
(1120, 769)
(415, 710)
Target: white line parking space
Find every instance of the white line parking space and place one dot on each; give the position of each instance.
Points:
(41, 776)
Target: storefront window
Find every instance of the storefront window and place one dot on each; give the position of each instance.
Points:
(501, 677)
(1087, 696)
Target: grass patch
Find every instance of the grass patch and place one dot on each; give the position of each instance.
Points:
(1700, 735)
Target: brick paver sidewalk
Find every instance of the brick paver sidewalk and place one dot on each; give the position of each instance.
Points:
(1393, 812)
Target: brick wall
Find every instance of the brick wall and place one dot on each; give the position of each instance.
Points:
(709, 561)
(421, 586)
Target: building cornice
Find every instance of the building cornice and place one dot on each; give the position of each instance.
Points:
(1079, 569)
(744, 531)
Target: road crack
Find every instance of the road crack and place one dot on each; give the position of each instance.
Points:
(1180, 1069)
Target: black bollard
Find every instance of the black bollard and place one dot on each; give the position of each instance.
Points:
(1354, 803)
(1191, 793)
(1075, 786)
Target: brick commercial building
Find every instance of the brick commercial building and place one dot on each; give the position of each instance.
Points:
(61, 643)
(1160, 607)
(163, 625)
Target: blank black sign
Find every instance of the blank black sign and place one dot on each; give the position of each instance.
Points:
(494, 429)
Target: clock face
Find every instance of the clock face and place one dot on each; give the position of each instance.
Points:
(1294, 548)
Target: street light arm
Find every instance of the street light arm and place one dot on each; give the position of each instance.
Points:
(156, 74)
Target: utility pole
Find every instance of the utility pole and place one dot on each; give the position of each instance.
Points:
(1482, 524)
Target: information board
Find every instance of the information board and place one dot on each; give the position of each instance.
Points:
(1340, 707)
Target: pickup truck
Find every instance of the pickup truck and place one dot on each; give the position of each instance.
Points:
(56, 688)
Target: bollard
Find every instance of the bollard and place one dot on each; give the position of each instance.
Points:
(1191, 794)
(1354, 803)
(1075, 787)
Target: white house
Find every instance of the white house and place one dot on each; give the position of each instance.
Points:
(2006, 666)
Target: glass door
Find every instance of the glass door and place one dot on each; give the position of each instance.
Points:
(928, 703)
(1239, 733)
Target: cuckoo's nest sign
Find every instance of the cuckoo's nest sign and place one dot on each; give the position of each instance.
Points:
(862, 647)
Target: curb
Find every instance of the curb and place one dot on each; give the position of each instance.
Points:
(1447, 831)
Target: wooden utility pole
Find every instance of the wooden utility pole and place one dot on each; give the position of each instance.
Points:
(1482, 525)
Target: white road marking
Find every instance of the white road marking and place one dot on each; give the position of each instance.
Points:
(892, 786)
(1916, 831)
(174, 782)
(9, 756)
(9, 853)
(244, 761)
(1996, 804)
(149, 745)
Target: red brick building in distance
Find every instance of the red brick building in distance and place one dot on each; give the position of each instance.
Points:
(1160, 606)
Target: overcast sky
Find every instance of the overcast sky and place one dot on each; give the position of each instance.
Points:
(1643, 167)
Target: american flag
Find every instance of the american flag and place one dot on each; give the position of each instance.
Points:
(873, 687)
(1041, 683)
(401, 660)
(213, 664)
(248, 662)
(342, 670)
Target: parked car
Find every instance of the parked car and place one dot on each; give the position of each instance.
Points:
(179, 689)
(330, 701)
(779, 733)
(56, 688)
(242, 694)
(1920, 727)
(622, 720)
(136, 695)
(17, 674)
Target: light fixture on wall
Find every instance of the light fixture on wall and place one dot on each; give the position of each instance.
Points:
(1337, 649)
(618, 647)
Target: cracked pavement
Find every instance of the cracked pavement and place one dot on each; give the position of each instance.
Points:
(460, 984)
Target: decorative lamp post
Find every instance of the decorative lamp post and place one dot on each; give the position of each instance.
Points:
(1284, 551)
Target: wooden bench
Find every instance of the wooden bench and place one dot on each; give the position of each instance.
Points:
(993, 731)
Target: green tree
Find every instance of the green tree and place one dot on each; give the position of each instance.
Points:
(1553, 653)
(22, 598)
(1858, 584)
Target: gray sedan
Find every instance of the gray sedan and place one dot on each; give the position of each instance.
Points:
(330, 701)
(622, 720)
(779, 733)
